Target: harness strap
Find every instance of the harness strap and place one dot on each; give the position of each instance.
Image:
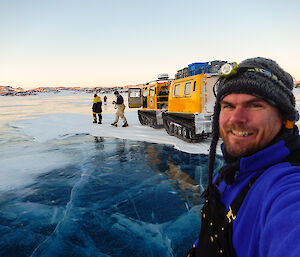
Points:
(294, 158)
(237, 202)
(293, 143)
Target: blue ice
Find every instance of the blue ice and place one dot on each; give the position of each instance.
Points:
(118, 198)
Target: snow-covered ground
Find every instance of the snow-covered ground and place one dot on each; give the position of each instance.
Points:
(55, 126)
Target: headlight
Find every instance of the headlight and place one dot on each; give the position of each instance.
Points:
(228, 69)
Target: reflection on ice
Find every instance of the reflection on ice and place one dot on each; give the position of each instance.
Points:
(116, 198)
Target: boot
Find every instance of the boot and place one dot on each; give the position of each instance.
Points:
(125, 124)
(100, 122)
(114, 124)
(95, 121)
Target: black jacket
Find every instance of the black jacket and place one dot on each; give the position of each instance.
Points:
(97, 105)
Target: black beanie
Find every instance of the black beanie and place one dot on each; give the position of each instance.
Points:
(263, 78)
(259, 77)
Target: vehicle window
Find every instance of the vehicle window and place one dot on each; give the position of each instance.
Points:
(152, 91)
(194, 86)
(176, 90)
(145, 92)
(187, 88)
(135, 92)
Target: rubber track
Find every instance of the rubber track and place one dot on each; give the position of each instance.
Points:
(184, 123)
(150, 118)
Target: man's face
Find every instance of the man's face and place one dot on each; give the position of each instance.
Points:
(247, 124)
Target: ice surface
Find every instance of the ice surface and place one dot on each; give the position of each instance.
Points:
(121, 198)
(51, 126)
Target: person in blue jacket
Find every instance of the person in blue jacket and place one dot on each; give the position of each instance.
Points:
(252, 205)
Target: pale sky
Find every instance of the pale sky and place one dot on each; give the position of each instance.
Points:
(90, 43)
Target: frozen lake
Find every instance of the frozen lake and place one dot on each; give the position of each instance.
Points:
(73, 188)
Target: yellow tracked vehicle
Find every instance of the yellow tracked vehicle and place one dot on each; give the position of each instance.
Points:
(184, 106)
(153, 98)
(191, 102)
(190, 107)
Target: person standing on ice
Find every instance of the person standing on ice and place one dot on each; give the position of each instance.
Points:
(252, 206)
(120, 110)
(97, 109)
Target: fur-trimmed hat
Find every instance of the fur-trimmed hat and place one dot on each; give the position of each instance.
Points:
(259, 77)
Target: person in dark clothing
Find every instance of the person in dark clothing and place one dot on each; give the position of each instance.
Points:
(105, 99)
(120, 110)
(97, 109)
(252, 205)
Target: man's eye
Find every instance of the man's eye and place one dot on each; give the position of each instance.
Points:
(227, 106)
(256, 105)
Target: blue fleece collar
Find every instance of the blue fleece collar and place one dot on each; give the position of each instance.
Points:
(271, 155)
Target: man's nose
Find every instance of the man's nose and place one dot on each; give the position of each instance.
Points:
(239, 115)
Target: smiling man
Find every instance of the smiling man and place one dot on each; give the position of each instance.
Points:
(252, 206)
(247, 123)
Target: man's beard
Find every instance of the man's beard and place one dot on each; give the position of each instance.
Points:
(241, 152)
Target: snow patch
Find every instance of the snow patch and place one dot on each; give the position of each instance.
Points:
(55, 126)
